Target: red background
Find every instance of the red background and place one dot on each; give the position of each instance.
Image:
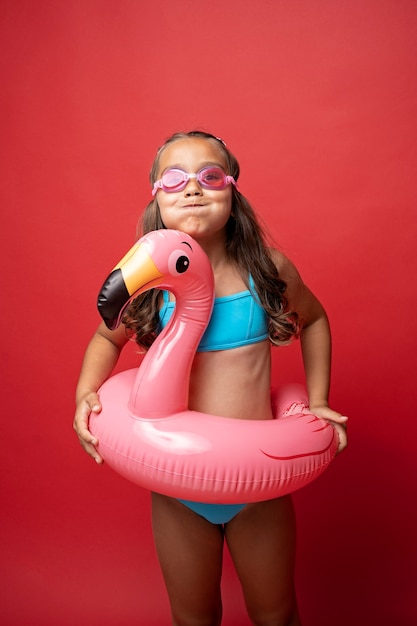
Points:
(318, 101)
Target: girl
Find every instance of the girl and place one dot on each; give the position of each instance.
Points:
(194, 187)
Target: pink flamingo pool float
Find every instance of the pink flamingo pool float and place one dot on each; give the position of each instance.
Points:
(145, 430)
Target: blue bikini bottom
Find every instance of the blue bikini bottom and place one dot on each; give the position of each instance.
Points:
(214, 513)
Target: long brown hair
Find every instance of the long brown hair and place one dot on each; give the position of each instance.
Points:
(245, 246)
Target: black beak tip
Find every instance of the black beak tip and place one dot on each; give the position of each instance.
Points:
(112, 299)
(111, 324)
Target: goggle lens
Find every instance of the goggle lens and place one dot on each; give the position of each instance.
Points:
(211, 177)
(173, 180)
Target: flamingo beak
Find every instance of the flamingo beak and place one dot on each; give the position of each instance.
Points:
(133, 275)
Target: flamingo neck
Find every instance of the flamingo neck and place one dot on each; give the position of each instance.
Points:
(162, 383)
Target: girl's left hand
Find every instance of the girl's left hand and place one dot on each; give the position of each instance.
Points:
(338, 420)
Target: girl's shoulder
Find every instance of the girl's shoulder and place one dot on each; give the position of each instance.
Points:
(283, 264)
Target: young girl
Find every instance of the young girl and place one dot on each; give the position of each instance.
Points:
(194, 187)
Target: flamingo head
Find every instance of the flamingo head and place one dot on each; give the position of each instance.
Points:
(166, 259)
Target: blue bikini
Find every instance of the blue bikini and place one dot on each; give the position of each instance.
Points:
(237, 320)
(247, 321)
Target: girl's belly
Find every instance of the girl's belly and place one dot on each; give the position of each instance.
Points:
(233, 383)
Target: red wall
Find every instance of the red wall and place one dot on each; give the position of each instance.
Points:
(318, 101)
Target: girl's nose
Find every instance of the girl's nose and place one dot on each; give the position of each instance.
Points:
(193, 188)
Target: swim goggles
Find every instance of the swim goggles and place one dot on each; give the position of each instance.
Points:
(209, 177)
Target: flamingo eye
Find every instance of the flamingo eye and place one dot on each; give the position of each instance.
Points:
(178, 263)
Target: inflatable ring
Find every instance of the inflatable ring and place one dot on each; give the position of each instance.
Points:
(145, 430)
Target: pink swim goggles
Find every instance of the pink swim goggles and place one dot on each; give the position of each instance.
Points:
(210, 177)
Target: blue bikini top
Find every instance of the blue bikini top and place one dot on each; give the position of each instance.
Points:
(237, 320)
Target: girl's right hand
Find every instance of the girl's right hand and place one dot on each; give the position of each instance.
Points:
(89, 404)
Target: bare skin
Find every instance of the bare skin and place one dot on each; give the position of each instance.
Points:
(261, 541)
(235, 384)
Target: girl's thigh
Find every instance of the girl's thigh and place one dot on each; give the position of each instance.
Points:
(190, 552)
(262, 541)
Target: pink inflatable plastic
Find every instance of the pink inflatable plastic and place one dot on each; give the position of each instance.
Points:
(146, 432)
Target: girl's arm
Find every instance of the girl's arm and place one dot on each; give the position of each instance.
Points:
(99, 361)
(316, 346)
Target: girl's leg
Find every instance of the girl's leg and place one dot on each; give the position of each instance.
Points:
(261, 541)
(190, 551)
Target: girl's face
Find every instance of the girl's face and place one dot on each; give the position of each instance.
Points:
(199, 212)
